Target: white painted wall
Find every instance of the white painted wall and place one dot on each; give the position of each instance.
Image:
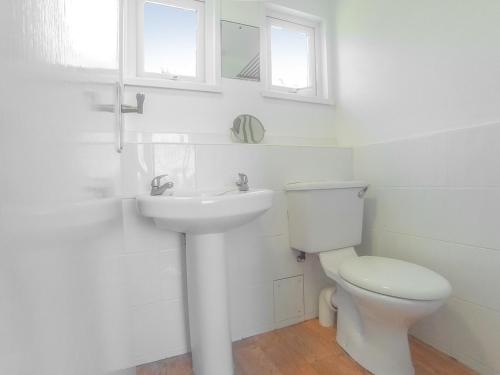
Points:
(414, 72)
(413, 67)
(212, 114)
(258, 254)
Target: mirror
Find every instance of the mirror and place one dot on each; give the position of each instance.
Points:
(248, 129)
(240, 51)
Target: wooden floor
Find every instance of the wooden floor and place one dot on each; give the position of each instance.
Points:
(305, 349)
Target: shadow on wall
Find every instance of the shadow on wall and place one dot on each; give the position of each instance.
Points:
(368, 238)
(184, 290)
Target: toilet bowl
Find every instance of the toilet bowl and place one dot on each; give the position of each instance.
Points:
(378, 299)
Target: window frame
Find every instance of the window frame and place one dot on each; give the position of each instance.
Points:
(196, 5)
(321, 94)
(208, 71)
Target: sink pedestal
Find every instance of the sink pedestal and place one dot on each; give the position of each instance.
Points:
(209, 323)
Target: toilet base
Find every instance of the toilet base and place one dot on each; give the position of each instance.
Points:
(373, 329)
(381, 357)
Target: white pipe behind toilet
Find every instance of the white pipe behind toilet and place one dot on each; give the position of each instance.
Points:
(327, 307)
(327, 311)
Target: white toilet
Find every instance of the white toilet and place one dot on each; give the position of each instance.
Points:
(377, 299)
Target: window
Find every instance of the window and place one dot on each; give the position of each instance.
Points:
(172, 43)
(172, 39)
(293, 66)
(296, 56)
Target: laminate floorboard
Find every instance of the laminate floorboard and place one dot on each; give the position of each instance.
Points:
(305, 349)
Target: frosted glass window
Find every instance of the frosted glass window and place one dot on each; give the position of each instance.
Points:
(172, 43)
(69, 41)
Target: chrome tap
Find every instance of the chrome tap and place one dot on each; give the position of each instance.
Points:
(242, 182)
(156, 188)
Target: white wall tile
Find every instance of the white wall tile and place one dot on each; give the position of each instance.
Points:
(291, 164)
(461, 158)
(476, 332)
(253, 258)
(472, 271)
(461, 215)
(474, 274)
(486, 156)
(253, 264)
(159, 330)
(257, 309)
(466, 157)
(141, 234)
(436, 329)
(178, 161)
(237, 313)
(136, 168)
(275, 221)
(424, 251)
(426, 161)
(251, 309)
(472, 157)
(172, 274)
(218, 165)
(142, 277)
(270, 166)
(282, 258)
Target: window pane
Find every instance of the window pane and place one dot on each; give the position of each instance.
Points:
(290, 58)
(170, 36)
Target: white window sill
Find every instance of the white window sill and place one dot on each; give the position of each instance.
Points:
(171, 84)
(296, 97)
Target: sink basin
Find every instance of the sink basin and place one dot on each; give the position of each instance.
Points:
(204, 217)
(205, 212)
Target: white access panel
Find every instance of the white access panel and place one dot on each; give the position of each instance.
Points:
(289, 300)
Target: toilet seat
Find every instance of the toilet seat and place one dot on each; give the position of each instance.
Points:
(395, 278)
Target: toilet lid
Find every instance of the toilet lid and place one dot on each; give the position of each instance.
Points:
(396, 278)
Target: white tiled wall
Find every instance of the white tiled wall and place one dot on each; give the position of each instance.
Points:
(435, 201)
(258, 253)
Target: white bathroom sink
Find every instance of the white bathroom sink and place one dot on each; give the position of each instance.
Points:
(205, 212)
(204, 217)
